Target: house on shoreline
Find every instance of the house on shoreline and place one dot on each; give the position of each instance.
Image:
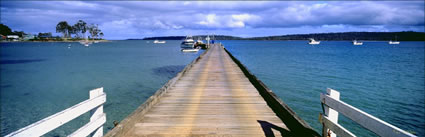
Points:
(12, 37)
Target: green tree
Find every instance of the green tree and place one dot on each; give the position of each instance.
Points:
(101, 34)
(46, 35)
(5, 30)
(91, 29)
(76, 30)
(80, 28)
(63, 28)
(19, 33)
(71, 31)
(94, 30)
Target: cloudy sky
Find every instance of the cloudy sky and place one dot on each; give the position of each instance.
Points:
(138, 19)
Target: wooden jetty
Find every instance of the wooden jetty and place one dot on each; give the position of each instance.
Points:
(215, 95)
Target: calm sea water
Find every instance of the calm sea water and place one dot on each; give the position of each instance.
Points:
(40, 79)
(383, 80)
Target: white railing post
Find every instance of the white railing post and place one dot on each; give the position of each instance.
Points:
(332, 105)
(98, 118)
(96, 113)
(329, 112)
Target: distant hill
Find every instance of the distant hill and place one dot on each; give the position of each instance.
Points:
(218, 37)
(379, 36)
(372, 36)
(166, 38)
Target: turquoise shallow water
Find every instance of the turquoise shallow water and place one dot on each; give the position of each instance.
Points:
(40, 79)
(383, 80)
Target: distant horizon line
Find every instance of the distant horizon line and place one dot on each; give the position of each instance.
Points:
(274, 35)
(268, 35)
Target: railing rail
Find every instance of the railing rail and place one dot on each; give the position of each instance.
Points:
(94, 104)
(332, 105)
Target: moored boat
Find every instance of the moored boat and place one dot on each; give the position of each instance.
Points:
(199, 41)
(190, 50)
(188, 43)
(355, 42)
(85, 43)
(394, 42)
(313, 42)
(159, 42)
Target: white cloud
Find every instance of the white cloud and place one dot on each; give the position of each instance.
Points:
(80, 4)
(227, 21)
(338, 26)
(177, 27)
(119, 29)
(210, 20)
(236, 24)
(186, 3)
(242, 17)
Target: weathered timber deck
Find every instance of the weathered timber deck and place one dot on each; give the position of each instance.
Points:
(211, 97)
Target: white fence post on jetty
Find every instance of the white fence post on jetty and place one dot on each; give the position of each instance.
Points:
(97, 119)
(97, 112)
(329, 112)
(332, 105)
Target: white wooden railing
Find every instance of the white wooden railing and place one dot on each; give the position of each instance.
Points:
(94, 104)
(332, 105)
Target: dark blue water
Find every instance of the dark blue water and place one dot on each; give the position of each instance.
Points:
(40, 79)
(384, 80)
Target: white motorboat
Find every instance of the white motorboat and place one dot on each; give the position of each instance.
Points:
(313, 42)
(355, 42)
(190, 50)
(188, 43)
(394, 42)
(85, 43)
(159, 42)
(199, 41)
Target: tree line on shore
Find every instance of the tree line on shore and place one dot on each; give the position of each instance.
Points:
(5, 30)
(79, 30)
(340, 36)
(74, 32)
(344, 36)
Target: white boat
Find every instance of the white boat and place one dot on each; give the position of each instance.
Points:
(313, 42)
(85, 43)
(199, 41)
(355, 42)
(190, 50)
(394, 42)
(159, 42)
(188, 43)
